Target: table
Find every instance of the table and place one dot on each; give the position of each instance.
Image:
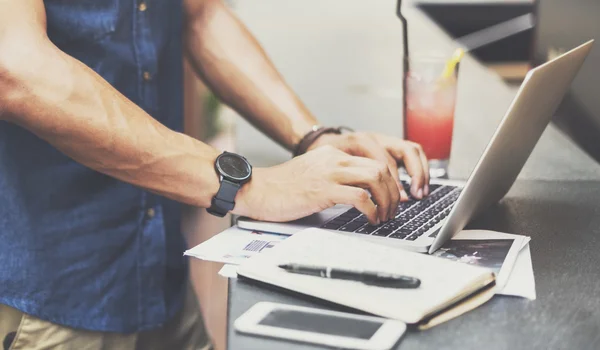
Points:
(563, 219)
(344, 61)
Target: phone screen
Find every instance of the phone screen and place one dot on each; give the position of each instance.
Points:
(323, 324)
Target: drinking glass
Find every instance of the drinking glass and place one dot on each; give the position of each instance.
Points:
(430, 101)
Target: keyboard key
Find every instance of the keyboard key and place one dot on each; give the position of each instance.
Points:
(337, 222)
(367, 229)
(406, 216)
(404, 231)
(433, 187)
(362, 219)
(420, 220)
(403, 206)
(351, 227)
(412, 237)
(438, 218)
(331, 226)
(392, 225)
(420, 206)
(343, 220)
(420, 231)
(353, 211)
(411, 226)
(398, 235)
(348, 215)
(382, 232)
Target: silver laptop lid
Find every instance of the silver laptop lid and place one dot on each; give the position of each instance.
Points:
(514, 139)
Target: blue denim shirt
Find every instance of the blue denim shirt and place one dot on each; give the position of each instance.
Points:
(80, 248)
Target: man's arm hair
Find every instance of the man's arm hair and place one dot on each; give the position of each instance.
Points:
(230, 60)
(67, 104)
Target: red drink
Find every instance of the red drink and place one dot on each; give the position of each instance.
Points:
(430, 101)
(432, 130)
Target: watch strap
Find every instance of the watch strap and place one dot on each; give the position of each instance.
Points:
(313, 135)
(224, 201)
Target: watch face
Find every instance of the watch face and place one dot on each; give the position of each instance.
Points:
(234, 166)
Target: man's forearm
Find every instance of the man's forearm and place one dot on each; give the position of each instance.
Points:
(65, 103)
(232, 63)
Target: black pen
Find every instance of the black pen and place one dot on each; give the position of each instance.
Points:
(380, 279)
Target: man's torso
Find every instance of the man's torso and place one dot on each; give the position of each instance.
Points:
(80, 248)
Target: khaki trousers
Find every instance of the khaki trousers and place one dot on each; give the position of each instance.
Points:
(19, 331)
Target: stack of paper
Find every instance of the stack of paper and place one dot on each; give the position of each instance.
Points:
(508, 255)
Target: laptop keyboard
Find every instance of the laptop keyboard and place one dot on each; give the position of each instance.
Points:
(413, 218)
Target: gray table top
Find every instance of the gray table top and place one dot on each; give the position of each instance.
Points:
(563, 219)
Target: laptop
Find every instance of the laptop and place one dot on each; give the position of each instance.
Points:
(425, 225)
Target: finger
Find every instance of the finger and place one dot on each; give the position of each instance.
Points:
(409, 154)
(425, 164)
(393, 165)
(403, 195)
(358, 198)
(371, 175)
(397, 190)
(391, 184)
(366, 178)
(368, 147)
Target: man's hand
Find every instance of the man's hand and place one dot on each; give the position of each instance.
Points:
(316, 181)
(388, 150)
(232, 63)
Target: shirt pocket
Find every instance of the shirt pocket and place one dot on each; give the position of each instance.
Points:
(80, 20)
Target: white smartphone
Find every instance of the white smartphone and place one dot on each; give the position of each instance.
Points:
(317, 326)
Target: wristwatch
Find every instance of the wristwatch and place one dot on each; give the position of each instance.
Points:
(234, 171)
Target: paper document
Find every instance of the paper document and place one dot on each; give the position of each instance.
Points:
(228, 271)
(234, 245)
(506, 254)
(496, 251)
(522, 281)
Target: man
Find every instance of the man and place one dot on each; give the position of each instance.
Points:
(92, 165)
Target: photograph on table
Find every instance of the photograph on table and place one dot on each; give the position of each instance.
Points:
(488, 253)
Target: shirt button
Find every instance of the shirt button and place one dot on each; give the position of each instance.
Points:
(147, 76)
(142, 6)
(150, 213)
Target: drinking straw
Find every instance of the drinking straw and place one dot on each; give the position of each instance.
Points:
(405, 61)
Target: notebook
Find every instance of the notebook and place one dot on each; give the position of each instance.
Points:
(447, 288)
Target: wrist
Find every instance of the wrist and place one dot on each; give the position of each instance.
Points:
(324, 139)
(311, 139)
(245, 197)
(213, 183)
(233, 171)
(298, 133)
